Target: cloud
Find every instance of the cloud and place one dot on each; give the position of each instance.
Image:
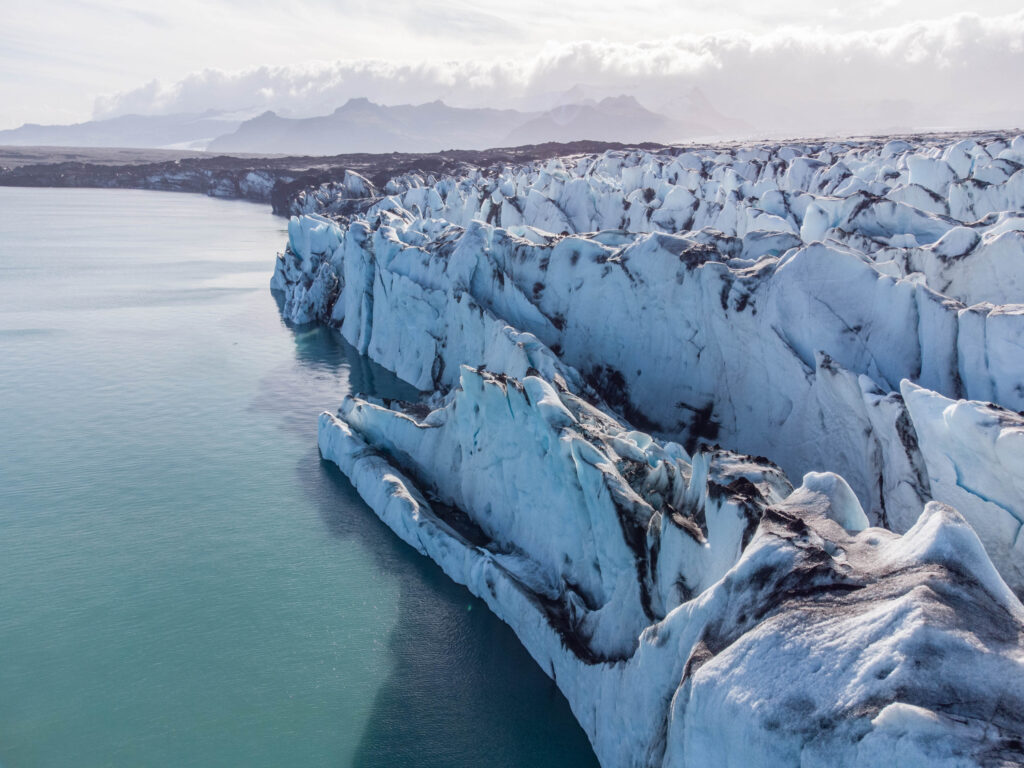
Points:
(958, 71)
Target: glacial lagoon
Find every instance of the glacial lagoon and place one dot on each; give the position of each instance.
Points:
(183, 581)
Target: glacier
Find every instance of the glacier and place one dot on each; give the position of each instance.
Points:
(625, 358)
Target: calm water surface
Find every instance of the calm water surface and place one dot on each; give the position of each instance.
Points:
(183, 582)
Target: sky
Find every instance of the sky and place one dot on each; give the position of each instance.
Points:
(883, 63)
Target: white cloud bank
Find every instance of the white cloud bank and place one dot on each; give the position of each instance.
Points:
(962, 71)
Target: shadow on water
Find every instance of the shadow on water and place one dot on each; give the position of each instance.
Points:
(462, 691)
(316, 346)
(325, 369)
(323, 350)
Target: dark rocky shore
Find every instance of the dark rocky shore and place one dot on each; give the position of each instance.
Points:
(265, 179)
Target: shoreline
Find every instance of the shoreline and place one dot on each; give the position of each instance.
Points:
(277, 179)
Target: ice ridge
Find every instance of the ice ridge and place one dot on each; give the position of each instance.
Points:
(614, 343)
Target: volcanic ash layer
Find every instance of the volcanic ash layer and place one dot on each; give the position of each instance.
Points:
(613, 343)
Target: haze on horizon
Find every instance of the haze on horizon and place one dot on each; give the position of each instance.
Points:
(797, 64)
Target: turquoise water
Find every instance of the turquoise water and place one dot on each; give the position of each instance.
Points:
(183, 581)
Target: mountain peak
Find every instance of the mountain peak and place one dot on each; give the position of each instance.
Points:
(356, 103)
(623, 99)
(622, 105)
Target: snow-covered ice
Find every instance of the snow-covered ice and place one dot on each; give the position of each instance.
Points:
(974, 454)
(630, 354)
(699, 610)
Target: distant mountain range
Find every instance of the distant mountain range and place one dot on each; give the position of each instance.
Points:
(619, 118)
(178, 131)
(363, 126)
(360, 125)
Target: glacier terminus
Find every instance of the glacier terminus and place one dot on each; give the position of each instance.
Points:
(730, 436)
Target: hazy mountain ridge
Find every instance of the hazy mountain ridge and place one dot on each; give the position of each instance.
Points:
(182, 130)
(361, 125)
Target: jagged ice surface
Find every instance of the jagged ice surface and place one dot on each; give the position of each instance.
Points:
(840, 308)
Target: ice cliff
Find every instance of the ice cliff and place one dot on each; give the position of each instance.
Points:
(628, 354)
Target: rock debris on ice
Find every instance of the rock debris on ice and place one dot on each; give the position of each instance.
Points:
(630, 353)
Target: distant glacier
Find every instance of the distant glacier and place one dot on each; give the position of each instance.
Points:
(731, 436)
